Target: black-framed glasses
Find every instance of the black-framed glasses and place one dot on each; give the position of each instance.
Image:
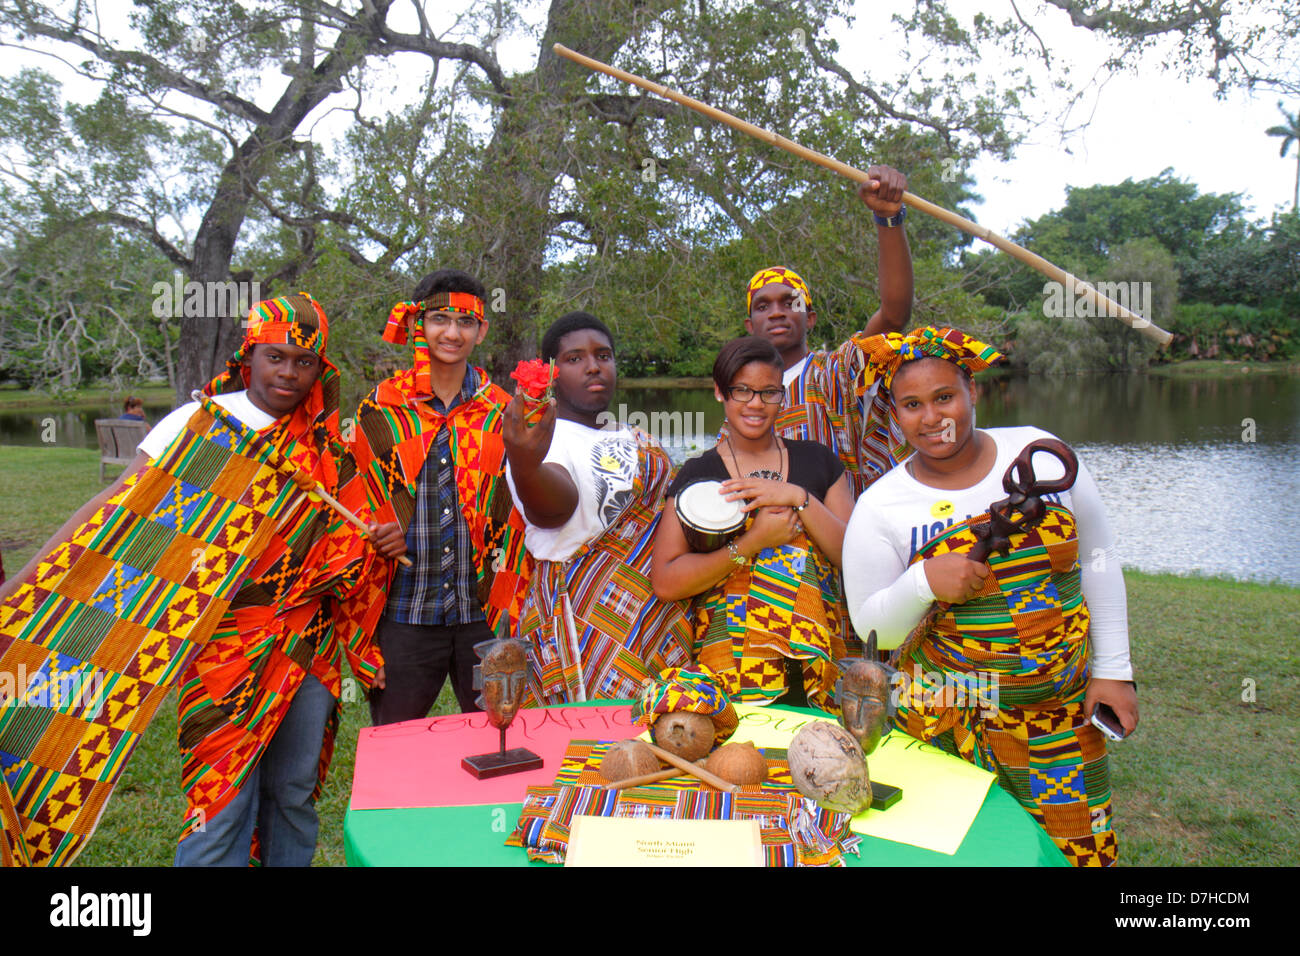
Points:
(769, 396)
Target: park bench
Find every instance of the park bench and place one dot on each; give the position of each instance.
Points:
(118, 438)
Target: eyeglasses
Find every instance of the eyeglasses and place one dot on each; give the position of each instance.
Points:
(769, 396)
(440, 320)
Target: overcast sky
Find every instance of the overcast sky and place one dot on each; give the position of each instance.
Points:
(1142, 122)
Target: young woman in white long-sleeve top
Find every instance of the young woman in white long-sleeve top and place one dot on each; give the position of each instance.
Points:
(1023, 647)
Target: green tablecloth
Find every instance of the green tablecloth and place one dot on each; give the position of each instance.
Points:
(1003, 834)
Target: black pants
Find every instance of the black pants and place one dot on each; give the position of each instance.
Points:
(417, 660)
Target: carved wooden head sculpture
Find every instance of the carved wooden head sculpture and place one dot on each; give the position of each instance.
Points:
(501, 677)
(863, 695)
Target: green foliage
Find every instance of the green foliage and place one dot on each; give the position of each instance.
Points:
(77, 307)
(1233, 331)
(1261, 269)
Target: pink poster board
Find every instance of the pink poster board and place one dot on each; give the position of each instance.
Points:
(417, 763)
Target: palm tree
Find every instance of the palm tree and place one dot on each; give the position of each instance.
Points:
(1290, 133)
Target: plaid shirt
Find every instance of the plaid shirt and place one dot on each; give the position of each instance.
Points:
(441, 586)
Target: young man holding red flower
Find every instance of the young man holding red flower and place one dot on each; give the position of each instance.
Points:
(591, 497)
(428, 441)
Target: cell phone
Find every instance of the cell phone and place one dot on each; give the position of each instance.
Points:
(1106, 720)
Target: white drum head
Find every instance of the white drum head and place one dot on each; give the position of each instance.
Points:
(702, 505)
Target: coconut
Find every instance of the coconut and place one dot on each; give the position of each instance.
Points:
(827, 765)
(738, 763)
(684, 734)
(627, 759)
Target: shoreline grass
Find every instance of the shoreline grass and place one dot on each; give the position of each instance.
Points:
(14, 398)
(1207, 779)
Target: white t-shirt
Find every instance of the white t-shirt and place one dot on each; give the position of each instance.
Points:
(898, 515)
(237, 403)
(793, 372)
(602, 463)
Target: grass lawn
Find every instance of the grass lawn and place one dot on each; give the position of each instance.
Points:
(23, 398)
(1203, 782)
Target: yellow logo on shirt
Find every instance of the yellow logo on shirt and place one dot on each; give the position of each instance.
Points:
(941, 509)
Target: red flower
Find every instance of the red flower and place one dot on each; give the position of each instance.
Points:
(534, 377)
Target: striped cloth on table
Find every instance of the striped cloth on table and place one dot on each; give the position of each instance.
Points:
(795, 831)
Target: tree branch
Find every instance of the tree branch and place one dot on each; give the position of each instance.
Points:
(146, 229)
(153, 68)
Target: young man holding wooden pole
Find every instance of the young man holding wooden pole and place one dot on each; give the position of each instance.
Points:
(828, 400)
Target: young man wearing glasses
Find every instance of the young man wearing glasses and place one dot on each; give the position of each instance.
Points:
(829, 399)
(428, 442)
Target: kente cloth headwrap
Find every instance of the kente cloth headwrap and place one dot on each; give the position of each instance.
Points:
(395, 332)
(887, 353)
(294, 320)
(777, 275)
(695, 690)
(465, 303)
(395, 329)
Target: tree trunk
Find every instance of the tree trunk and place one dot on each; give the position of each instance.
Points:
(524, 161)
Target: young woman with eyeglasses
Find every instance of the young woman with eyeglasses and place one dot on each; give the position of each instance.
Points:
(768, 613)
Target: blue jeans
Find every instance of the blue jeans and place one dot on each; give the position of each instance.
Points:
(275, 797)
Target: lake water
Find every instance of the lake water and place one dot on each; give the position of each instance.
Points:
(1196, 473)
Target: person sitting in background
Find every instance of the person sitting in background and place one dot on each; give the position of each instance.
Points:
(133, 409)
(1050, 632)
(590, 497)
(768, 616)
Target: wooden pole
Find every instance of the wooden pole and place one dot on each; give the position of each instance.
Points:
(342, 509)
(712, 779)
(1073, 285)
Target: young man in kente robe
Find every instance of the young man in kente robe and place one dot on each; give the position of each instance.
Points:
(591, 497)
(428, 442)
(259, 704)
(831, 397)
(204, 561)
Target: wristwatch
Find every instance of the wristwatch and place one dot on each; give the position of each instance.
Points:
(891, 221)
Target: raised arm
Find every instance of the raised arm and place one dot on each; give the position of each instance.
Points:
(883, 195)
(544, 490)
